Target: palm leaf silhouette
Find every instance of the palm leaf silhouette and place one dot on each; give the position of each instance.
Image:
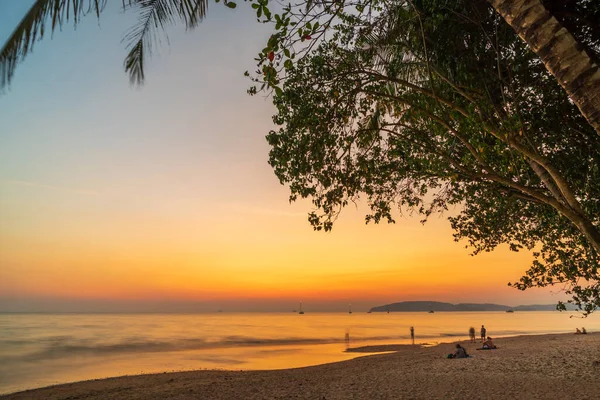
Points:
(48, 15)
(156, 14)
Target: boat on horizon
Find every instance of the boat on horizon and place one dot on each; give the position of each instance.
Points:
(349, 308)
(300, 312)
(510, 311)
(430, 311)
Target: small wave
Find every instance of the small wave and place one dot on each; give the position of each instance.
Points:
(214, 359)
(63, 346)
(289, 350)
(452, 334)
(61, 349)
(247, 341)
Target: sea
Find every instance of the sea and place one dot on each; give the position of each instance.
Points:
(38, 350)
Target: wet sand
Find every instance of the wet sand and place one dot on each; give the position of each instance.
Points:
(563, 366)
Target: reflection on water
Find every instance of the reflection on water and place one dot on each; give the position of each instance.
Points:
(44, 349)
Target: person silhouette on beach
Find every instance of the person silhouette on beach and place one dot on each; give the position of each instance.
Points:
(460, 352)
(412, 334)
(488, 344)
(472, 334)
(483, 333)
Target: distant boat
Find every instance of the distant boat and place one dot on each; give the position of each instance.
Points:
(301, 312)
(369, 312)
(431, 311)
(349, 308)
(510, 310)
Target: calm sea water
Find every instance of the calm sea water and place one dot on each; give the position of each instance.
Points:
(43, 349)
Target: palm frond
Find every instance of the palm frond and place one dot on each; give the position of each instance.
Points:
(34, 25)
(156, 14)
(48, 15)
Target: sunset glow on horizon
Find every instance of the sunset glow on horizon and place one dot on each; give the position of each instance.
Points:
(111, 194)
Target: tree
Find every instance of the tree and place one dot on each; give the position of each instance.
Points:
(48, 15)
(421, 105)
(415, 104)
(571, 63)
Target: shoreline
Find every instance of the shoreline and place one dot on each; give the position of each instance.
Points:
(526, 366)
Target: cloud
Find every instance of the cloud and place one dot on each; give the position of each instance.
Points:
(51, 187)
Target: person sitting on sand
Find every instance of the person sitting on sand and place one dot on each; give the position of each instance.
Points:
(488, 344)
(577, 331)
(583, 331)
(460, 352)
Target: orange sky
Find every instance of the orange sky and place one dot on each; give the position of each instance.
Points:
(257, 254)
(113, 194)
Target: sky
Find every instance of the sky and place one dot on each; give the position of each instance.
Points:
(160, 198)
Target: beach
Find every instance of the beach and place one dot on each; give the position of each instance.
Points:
(560, 366)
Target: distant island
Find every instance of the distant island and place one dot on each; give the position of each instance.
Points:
(422, 306)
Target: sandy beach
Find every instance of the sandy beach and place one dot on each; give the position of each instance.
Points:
(562, 366)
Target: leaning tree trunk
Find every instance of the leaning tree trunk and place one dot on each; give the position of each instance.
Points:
(562, 54)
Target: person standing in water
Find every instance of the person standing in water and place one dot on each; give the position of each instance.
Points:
(412, 334)
(472, 334)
